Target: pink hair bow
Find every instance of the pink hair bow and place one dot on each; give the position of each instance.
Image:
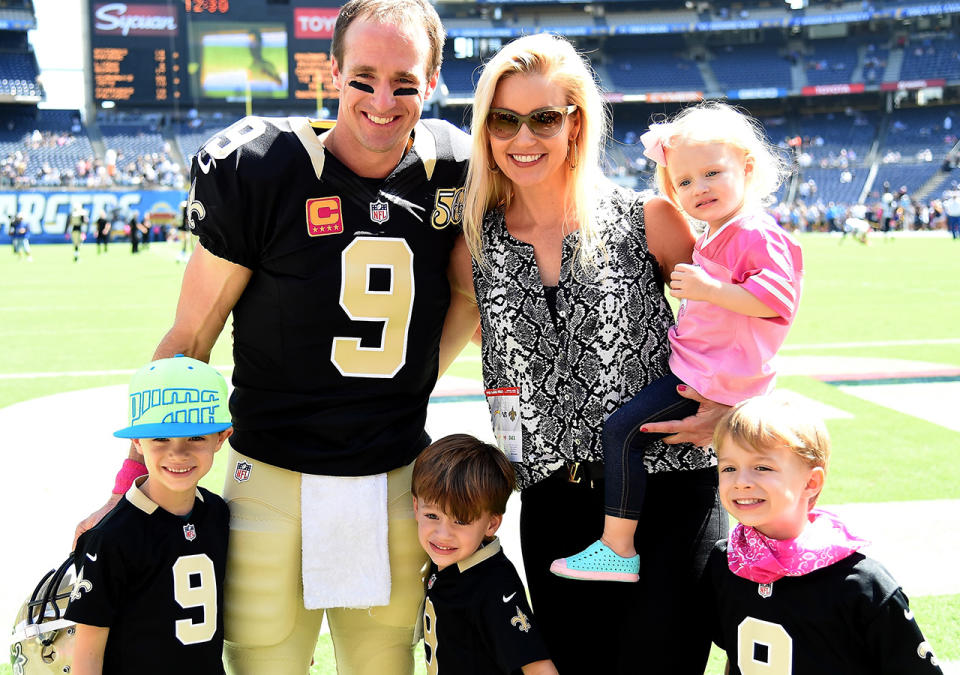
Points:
(653, 142)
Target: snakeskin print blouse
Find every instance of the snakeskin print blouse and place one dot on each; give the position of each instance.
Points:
(608, 342)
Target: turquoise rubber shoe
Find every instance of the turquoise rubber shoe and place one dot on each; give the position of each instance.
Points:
(598, 562)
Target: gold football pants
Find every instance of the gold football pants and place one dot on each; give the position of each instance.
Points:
(268, 630)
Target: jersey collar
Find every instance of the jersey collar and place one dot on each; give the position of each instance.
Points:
(136, 497)
(424, 145)
(483, 553)
(708, 238)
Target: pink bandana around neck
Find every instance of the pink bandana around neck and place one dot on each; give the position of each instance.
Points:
(824, 541)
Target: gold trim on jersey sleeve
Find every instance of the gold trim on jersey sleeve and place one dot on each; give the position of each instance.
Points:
(313, 144)
(426, 147)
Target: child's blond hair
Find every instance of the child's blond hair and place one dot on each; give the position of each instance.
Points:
(765, 422)
(716, 122)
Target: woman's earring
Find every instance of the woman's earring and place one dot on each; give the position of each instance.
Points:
(572, 155)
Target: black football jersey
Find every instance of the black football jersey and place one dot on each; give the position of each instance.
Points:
(476, 619)
(156, 580)
(849, 618)
(336, 336)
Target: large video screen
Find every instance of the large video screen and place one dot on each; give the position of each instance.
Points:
(199, 52)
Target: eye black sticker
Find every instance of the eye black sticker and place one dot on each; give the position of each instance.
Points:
(362, 86)
(406, 91)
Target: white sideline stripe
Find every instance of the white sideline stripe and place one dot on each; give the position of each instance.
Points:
(80, 373)
(476, 359)
(878, 343)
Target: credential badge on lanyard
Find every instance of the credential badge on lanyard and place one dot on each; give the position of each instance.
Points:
(504, 405)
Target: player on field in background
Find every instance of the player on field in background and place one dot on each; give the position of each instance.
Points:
(951, 207)
(76, 230)
(21, 237)
(330, 248)
(103, 231)
(739, 298)
(149, 589)
(476, 618)
(788, 592)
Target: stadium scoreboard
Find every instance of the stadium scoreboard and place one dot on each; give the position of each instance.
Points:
(209, 51)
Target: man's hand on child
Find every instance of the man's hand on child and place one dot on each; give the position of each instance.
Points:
(94, 518)
(697, 428)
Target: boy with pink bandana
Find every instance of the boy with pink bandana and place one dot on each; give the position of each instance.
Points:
(788, 592)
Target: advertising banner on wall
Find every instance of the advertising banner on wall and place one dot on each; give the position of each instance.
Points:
(46, 212)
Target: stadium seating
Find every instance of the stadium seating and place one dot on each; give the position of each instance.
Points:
(460, 75)
(42, 147)
(830, 61)
(831, 187)
(930, 58)
(749, 66)
(631, 70)
(832, 136)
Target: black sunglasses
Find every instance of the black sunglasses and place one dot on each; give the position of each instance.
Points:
(543, 122)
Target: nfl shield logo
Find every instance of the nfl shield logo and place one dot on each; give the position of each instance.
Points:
(765, 590)
(189, 532)
(242, 474)
(379, 211)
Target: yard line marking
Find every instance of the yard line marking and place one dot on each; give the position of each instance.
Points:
(80, 373)
(878, 343)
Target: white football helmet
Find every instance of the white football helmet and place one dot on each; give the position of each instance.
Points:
(43, 641)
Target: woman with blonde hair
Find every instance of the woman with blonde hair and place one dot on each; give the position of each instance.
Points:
(567, 271)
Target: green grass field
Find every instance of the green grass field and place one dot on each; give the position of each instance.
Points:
(93, 322)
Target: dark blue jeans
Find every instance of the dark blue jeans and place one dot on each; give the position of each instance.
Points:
(624, 444)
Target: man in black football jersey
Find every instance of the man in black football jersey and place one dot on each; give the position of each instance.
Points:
(330, 248)
(476, 618)
(149, 588)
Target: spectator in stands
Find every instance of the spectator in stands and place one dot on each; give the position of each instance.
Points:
(588, 258)
(938, 219)
(922, 215)
(905, 213)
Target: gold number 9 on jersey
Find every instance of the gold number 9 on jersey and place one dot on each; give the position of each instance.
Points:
(774, 643)
(393, 306)
(202, 594)
(430, 637)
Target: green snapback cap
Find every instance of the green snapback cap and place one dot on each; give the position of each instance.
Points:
(177, 397)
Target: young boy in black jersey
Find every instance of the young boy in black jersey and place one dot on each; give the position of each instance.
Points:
(788, 592)
(149, 588)
(476, 618)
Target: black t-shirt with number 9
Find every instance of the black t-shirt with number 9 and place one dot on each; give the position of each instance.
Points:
(156, 580)
(336, 336)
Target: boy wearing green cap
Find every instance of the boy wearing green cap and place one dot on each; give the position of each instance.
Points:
(149, 586)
